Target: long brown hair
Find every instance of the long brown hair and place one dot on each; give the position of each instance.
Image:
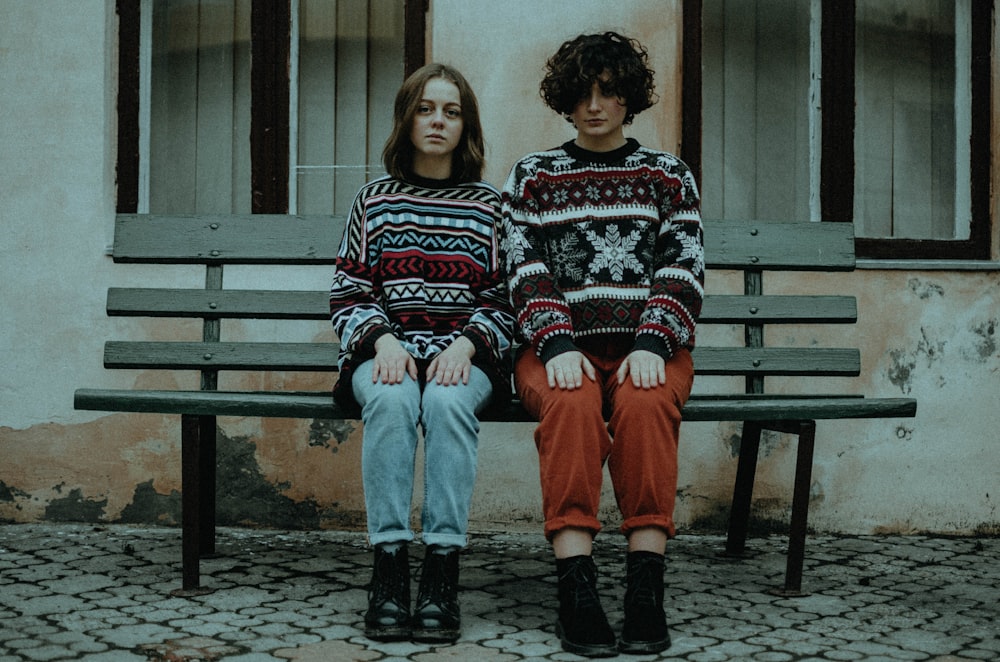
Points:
(468, 159)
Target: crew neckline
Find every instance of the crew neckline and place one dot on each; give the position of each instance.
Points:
(428, 182)
(614, 156)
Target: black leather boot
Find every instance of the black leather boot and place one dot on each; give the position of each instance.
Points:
(388, 616)
(437, 617)
(582, 626)
(645, 629)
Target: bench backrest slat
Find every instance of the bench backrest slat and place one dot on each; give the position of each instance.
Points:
(764, 245)
(314, 305)
(271, 239)
(217, 239)
(225, 304)
(323, 357)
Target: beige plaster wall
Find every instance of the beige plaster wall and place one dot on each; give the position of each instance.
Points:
(927, 334)
(501, 47)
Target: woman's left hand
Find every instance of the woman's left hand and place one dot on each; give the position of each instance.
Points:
(646, 368)
(453, 364)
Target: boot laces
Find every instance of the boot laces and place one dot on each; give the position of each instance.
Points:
(640, 582)
(585, 590)
(390, 581)
(435, 585)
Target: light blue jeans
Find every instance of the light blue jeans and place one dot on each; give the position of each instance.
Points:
(392, 414)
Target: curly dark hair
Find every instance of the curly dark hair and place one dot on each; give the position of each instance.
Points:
(617, 63)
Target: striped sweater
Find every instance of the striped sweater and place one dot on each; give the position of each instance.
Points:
(604, 244)
(420, 260)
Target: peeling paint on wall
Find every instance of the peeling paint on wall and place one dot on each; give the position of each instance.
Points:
(244, 496)
(323, 431)
(900, 371)
(148, 506)
(75, 508)
(904, 363)
(925, 290)
(986, 345)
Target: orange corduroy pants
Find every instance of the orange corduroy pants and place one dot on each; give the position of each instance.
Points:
(638, 442)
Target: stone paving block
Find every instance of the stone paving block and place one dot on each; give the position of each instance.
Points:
(50, 652)
(328, 650)
(301, 595)
(117, 656)
(132, 636)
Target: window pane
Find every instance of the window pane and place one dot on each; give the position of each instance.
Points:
(348, 68)
(199, 106)
(756, 110)
(912, 124)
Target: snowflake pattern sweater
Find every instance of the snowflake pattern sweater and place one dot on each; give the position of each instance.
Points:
(604, 243)
(420, 260)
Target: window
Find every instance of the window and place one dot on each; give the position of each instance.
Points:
(874, 112)
(238, 106)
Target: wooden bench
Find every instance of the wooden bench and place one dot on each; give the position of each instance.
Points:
(215, 242)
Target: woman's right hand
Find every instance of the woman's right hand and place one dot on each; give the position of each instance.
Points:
(392, 361)
(566, 370)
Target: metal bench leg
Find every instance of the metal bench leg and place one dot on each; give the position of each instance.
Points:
(191, 505)
(800, 511)
(746, 469)
(206, 479)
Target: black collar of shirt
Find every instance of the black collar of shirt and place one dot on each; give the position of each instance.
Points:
(614, 156)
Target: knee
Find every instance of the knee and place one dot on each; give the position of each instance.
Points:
(661, 402)
(392, 400)
(446, 404)
(582, 403)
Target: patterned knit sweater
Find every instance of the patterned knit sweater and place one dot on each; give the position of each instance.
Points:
(420, 260)
(600, 244)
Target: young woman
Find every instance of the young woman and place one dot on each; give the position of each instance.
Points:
(425, 326)
(604, 249)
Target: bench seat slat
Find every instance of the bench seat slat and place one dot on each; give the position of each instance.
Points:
(274, 239)
(314, 305)
(320, 405)
(817, 361)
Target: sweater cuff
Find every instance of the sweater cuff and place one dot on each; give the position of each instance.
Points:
(366, 347)
(483, 348)
(655, 344)
(555, 346)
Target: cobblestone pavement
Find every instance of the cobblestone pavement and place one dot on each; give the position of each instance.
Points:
(84, 592)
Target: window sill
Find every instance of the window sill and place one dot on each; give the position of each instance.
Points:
(930, 265)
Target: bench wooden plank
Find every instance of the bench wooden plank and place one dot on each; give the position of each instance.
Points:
(298, 304)
(224, 304)
(768, 245)
(816, 361)
(278, 239)
(321, 405)
(224, 239)
(778, 309)
(221, 355)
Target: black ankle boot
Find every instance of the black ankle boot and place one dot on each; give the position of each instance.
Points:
(437, 616)
(388, 616)
(582, 626)
(645, 629)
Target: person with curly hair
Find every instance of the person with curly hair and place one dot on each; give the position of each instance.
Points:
(421, 308)
(604, 250)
